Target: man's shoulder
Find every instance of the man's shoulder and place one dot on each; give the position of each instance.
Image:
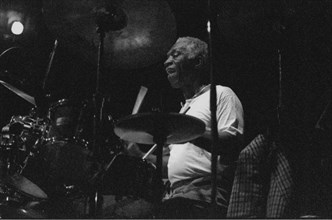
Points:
(225, 91)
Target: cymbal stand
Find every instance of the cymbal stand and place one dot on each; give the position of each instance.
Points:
(159, 137)
(107, 19)
(42, 94)
(95, 201)
(50, 64)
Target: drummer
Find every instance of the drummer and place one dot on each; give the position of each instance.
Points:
(189, 164)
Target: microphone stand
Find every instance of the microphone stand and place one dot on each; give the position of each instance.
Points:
(213, 109)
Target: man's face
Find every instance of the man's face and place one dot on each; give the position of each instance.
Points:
(177, 65)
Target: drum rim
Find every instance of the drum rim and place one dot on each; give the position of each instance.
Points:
(58, 103)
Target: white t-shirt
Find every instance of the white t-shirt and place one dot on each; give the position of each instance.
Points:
(187, 160)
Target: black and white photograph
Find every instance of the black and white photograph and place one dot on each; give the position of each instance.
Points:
(165, 109)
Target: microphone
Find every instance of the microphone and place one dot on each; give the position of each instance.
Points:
(110, 18)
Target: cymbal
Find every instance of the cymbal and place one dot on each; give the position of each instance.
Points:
(138, 32)
(20, 93)
(145, 128)
(25, 186)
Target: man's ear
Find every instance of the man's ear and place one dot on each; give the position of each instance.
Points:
(198, 62)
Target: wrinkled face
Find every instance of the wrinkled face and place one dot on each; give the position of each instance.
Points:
(178, 65)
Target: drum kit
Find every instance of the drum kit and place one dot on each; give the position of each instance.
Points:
(44, 157)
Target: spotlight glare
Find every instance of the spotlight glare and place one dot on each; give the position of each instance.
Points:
(17, 28)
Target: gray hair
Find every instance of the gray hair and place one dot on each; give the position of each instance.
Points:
(195, 48)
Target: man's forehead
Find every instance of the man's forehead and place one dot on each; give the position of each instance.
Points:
(178, 46)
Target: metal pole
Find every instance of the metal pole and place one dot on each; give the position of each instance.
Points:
(213, 109)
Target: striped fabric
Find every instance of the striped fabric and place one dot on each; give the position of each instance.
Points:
(263, 182)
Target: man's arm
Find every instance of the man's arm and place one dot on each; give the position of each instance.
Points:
(133, 149)
(226, 143)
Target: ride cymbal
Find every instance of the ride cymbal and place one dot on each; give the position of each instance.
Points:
(138, 32)
(147, 128)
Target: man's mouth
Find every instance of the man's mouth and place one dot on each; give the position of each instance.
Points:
(170, 71)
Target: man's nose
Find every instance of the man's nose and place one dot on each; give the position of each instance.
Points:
(168, 61)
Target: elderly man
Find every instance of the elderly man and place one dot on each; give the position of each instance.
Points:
(189, 164)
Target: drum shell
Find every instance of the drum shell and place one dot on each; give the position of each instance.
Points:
(61, 162)
(64, 120)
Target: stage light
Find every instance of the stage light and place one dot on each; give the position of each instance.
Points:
(17, 28)
(15, 22)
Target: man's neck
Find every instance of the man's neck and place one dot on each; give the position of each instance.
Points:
(190, 91)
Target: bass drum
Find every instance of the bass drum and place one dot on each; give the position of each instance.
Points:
(69, 161)
(60, 163)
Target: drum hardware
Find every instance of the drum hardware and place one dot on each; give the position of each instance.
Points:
(20, 140)
(10, 154)
(17, 141)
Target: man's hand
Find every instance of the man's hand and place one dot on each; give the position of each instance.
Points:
(132, 149)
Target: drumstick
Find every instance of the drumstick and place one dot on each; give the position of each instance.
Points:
(138, 103)
(139, 99)
(152, 149)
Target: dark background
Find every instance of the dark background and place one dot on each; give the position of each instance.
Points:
(254, 43)
(249, 37)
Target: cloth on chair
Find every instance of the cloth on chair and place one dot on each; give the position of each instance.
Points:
(263, 185)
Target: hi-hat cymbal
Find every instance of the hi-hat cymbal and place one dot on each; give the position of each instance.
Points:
(146, 128)
(18, 92)
(139, 32)
(25, 186)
